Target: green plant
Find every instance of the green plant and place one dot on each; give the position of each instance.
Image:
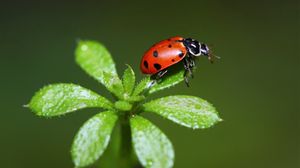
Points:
(151, 145)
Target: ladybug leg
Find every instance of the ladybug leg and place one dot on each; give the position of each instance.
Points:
(192, 65)
(187, 70)
(188, 66)
(192, 62)
(161, 73)
(190, 70)
(186, 79)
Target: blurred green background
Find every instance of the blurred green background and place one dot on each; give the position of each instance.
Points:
(255, 86)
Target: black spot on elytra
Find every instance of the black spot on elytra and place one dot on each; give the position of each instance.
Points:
(181, 54)
(170, 46)
(155, 53)
(169, 39)
(173, 60)
(157, 66)
(146, 64)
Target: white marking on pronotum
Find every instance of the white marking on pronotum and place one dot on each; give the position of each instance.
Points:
(196, 54)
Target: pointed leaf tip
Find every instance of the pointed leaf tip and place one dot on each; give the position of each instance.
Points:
(128, 80)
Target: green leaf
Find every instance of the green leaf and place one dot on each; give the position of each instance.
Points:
(168, 81)
(151, 145)
(128, 80)
(58, 99)
(136, 98)
(142, 86)
(189, 111)
(113, 84)
(92, 139)
(123, 105)
(94, 59)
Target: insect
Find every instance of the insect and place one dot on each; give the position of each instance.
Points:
(166, 53)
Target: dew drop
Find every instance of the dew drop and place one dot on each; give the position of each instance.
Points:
(195, 126)
(84, 47)
(149, 163)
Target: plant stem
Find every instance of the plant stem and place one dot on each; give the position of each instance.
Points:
(126, 148)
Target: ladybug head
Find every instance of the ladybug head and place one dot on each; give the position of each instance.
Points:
(193, 46)
(197, 49)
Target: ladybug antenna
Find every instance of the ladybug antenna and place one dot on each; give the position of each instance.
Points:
(211, 56)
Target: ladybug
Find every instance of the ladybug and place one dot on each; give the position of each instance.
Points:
(166, 53)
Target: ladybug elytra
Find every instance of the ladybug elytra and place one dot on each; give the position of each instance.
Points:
(166, 53)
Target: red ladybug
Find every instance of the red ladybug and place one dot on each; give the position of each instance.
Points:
(172, 51)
